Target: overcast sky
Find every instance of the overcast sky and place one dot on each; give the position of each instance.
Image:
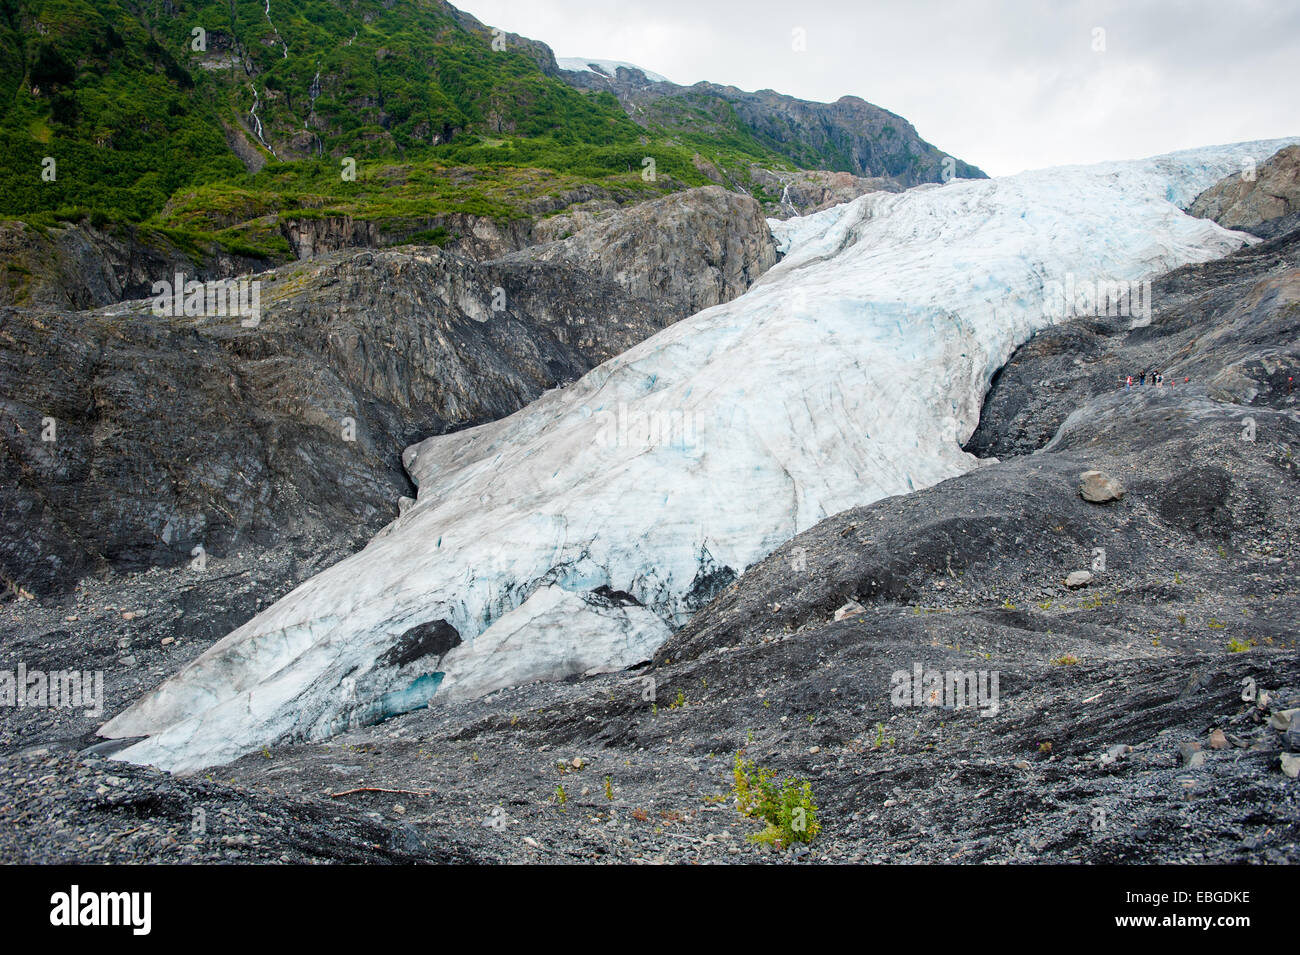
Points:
(1004, 85)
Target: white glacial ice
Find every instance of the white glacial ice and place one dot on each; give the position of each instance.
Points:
(572, 536)
(578, 64)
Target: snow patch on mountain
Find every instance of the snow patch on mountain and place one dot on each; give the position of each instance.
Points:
(608, 68)
(574, 534)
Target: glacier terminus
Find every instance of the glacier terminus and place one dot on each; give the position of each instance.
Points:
(573, 536)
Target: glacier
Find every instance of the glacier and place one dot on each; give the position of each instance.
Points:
(605, 68)
(573, 536)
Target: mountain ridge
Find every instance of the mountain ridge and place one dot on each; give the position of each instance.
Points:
(226, 128)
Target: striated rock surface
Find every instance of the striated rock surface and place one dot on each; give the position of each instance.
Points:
(78, 266)
(174, 433)
(476, 236)
(692, 249)
(804, 192)
(313, 237)
(1242, 201)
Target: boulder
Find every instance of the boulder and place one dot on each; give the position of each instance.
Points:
(1099, 487)
(850, 609)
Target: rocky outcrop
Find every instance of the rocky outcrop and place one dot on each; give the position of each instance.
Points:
(804, 192)
(475, 236)
(401, 344)
(698, 247)
(691, 249)
(1207, 529)
(1228, 326)
(79, 266)
(319, 235)
(1249, 199)
(871, 141)
(289, 429)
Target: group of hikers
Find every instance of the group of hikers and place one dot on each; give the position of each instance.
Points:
(1157, 379)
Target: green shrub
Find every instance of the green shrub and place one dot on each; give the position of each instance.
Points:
(788, 808)
(438, 236)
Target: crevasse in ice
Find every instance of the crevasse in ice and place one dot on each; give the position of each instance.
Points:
(572, 536)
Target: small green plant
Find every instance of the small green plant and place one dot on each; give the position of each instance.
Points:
(437, 236)
(678, 702)
(1065, 660)
(1239, 646)
(609, 789)
(561, 797)
(788, 809)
